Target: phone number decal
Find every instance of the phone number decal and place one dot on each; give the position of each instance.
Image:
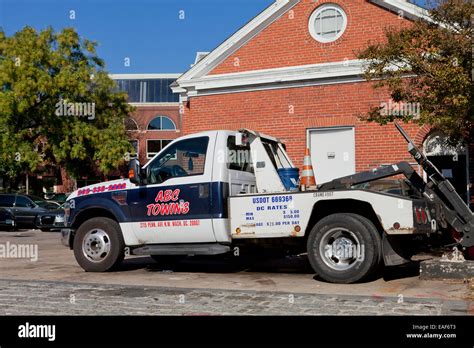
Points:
(100, 189)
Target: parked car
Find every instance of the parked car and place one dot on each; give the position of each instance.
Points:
(7, 220)
(60, 198)
(25, 208)
(52, 220)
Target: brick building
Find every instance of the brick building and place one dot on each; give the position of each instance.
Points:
(156, 119)
(293, 72)
(154, 123)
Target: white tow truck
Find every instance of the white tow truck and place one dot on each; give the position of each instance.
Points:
(208, 193)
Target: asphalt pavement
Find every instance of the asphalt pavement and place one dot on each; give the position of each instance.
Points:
(51, 283)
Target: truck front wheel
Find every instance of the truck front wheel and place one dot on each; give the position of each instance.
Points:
(98, 245)
(344, 248)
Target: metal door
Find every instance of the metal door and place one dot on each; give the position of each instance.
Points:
(332, 152)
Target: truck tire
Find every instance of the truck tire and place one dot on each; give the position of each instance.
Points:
(344, 248)
(370, 226)
(98, 245)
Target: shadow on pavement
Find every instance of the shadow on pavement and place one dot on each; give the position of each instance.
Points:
(408, 270)
(222, 264)
(228, 264)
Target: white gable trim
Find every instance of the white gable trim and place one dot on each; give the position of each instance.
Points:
(237, 40)
(404, 8)
(277, 75)
(195, 81)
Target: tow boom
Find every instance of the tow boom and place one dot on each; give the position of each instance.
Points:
(453, 210)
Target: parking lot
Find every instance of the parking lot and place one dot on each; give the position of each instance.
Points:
(51, 283)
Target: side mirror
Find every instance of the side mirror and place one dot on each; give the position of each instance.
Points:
(134, 172)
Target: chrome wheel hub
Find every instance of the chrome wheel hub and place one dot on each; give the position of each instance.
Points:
(96, 245)
(340, 249)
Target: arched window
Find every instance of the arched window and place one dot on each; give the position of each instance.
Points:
(130, 125)
(160, 123)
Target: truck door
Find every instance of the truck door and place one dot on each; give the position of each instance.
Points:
(175, 205)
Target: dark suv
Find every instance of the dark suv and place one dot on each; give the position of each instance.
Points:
(25, 208)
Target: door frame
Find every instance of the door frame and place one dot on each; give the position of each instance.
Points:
(309, 130)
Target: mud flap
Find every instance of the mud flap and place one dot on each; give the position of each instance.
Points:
(393, 251)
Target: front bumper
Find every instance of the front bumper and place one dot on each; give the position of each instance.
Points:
(67, 235)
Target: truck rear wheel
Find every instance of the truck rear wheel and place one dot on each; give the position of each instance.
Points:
(344, 248)
(98, 245)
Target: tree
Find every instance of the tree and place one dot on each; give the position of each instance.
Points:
(430, 63)
(58, 106)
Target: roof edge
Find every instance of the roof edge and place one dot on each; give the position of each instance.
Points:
(239, 38)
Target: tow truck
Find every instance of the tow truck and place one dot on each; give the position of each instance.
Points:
(212, 192)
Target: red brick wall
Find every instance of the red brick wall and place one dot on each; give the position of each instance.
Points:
(143, 115)
(287, 41)
(315, 106)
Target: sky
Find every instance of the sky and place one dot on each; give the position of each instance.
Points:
(157, 36)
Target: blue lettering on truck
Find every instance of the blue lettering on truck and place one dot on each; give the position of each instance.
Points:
(281, 204)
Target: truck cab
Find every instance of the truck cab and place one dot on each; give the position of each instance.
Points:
(180, 195)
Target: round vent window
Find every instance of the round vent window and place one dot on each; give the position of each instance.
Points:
(327, 23)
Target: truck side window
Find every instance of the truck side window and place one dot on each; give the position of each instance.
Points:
(184, 158)
(238, 157)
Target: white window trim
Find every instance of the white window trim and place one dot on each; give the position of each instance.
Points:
(318, 11)
(155, 153)
(161, 123)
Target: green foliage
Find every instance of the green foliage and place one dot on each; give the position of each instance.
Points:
(429, 63)
(40, 73)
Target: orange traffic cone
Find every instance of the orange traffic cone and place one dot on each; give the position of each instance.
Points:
(307, 174)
